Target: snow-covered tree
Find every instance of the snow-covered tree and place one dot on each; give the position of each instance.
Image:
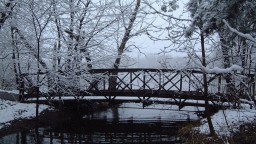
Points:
(214, 27)
(64, 39)
(208, 15)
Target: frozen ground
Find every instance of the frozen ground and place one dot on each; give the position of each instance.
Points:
(226, 122)
(11, 110)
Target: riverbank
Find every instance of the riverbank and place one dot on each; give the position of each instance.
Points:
(13, 110)
(245, 135)
(9, 95)
(46, 118)
(232, 126)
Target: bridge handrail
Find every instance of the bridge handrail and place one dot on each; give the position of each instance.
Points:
(155, 70)
(111, 70)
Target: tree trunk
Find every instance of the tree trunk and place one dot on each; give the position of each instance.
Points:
(14, 57)
(57, 47)
(126, 36)
(120, 51)
(225, 47)
(225, 50)
(244, 53)
(15, 51)
(207, 111)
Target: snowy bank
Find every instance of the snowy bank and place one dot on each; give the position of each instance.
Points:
(11, 110)
(226, 122)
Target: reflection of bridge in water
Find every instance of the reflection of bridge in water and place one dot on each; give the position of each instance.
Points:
(101, 131)
(168, 86)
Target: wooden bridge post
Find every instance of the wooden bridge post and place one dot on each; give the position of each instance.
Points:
(112, 80)
(160, 80)
(253, 87)
(131, 80)
(219, 83)
(180, 82)
(21, 88)
(36, 89)
(112, 83)
(144, 84)
(189, 82)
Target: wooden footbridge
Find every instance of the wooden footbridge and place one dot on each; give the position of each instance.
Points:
(165, 86)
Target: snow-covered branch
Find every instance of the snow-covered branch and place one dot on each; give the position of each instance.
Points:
(247, 36)
(216, 70)
(223, 70)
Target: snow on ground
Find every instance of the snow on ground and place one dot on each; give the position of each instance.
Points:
(11, 92)
(11, 110)
(227, 121)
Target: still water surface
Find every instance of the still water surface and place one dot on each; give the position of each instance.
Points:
(127, 123)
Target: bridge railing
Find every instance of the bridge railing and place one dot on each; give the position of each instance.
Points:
(167, 82)
(145, 83)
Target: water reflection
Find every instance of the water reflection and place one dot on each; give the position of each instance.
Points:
(100, 132)
(115, 125)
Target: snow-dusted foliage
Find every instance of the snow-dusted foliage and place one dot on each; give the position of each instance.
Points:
(170, 6)
(208, 14)
(64, 39)
(227, 27)
(233, 21)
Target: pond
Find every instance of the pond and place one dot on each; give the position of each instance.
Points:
(125, 123)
